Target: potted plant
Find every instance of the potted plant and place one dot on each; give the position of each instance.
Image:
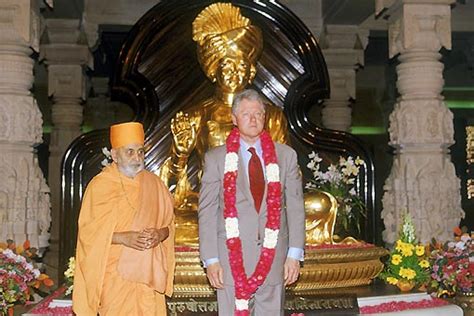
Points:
(407, 266)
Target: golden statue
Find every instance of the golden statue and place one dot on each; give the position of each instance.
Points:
(228, 47)
(321, 211)
(321, 215)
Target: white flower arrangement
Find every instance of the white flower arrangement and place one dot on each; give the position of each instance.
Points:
(339, 181)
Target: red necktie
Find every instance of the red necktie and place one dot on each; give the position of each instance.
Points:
(256, 179)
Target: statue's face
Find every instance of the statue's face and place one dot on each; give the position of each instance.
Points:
(233, 73)
(130, 159)
(250, 119)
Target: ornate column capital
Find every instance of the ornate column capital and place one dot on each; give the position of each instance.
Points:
(65, 51)
(343, 49)
(118, 12)
(417, 24)
(65, 42)
(344, 36)
(20, 23)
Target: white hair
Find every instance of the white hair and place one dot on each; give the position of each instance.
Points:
(248, 94)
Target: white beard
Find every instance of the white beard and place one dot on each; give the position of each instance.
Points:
(132, 170)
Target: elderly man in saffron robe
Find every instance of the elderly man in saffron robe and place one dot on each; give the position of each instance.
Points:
(125, 247)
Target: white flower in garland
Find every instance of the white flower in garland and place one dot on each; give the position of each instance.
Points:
(271, 238)
(232, 227)
(108, 157)
(241, 304)
(231, 162)
(273, 173)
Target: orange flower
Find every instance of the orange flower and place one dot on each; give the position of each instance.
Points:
(26, 244)
(48, 282)
(43, 277)
(457, 231)
(427, 248)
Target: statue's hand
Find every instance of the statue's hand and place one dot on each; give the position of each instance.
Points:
(185, 131)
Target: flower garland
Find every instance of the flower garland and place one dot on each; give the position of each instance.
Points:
(396, 306)
(246, 287)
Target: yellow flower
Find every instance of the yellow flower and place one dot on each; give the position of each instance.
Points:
(20, 249)
(420, 250)
(407, 250)
(407, 273)
(396, 259)
(392, 280)
(424, 264)
(69, 273)
(399, 245)
(359, 161)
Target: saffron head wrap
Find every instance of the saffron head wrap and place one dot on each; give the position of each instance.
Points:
(126, 133)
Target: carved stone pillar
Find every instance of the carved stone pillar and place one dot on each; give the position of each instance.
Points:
(100, 112)
(24, 195)
(67, 55)
(343, 49)
(423, 179)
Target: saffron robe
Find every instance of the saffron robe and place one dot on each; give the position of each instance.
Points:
(114, 279)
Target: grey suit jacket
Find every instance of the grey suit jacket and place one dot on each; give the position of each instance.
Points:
(212, 235)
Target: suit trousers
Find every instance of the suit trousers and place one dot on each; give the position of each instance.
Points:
(268, 300)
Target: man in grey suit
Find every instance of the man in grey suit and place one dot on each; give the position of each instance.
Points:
(248, 115)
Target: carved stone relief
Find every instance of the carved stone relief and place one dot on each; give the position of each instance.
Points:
(21, 119)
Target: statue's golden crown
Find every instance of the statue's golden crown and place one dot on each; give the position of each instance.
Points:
(220, 30)
(217, 19)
